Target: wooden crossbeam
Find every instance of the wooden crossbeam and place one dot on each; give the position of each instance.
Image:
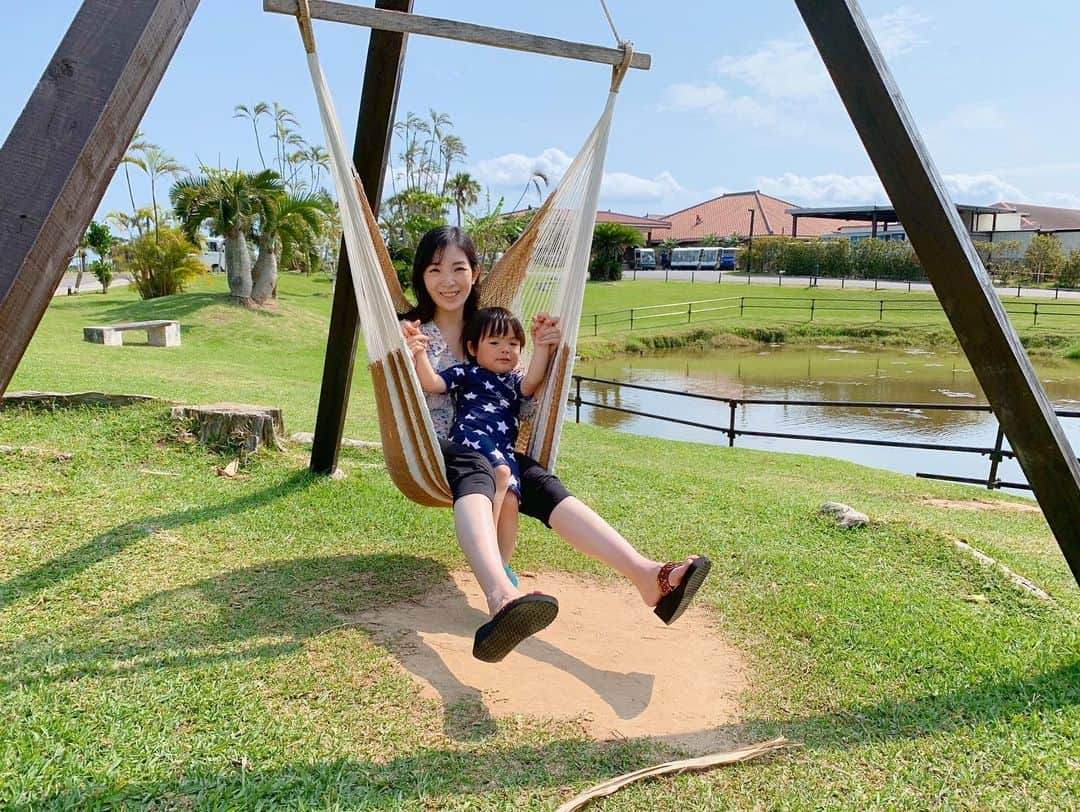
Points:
(405, 23)
(944, 247)
(58, 160)
(374, 130)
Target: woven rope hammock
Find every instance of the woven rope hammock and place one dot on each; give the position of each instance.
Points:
(544, 271)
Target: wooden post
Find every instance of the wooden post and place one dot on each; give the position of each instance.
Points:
(374, 129)
(65, 146)
(944, 247)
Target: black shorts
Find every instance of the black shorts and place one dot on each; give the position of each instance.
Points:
(469, 472)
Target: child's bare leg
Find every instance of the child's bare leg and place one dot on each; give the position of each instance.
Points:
(507, 527)
(502, 482)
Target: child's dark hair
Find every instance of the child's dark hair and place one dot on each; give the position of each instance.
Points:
(432, 244)
(491, 321)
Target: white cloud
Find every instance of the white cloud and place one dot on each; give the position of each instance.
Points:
(826, 189)
(1067, 199)
(981, 187)
(634, 189)
(836, 189)
(792, 68)
(515, 169)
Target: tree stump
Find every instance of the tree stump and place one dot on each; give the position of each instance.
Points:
(235, 425)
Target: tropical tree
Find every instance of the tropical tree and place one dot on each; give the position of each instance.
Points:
(160, 263)
(100, 240)
(256, 111)
(228, 202)
(533, 183)
(452, 149)
(610, 241)
(137, 143)
(84, 245)
(154, 161)
(463, 190)
(289, 226)
(1044, 257)
(712, 240)
(1069, 275)
(494, 232)
(666, 247)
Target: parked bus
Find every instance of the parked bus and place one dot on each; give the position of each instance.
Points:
(727, 259)
(644, 259)
(685, 258)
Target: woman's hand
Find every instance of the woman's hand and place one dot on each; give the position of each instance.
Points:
(545, 330)
(416, 341)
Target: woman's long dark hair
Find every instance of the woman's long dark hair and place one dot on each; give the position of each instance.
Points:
(431, 244)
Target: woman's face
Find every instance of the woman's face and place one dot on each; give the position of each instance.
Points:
(449, 279)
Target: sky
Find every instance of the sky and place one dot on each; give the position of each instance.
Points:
(737, 97)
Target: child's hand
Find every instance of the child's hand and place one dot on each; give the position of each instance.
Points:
(545, 331)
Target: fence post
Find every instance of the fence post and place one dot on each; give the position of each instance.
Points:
(1057, 290)
(1017, 290)
(731, 424)
(742, 303)
(666, 272)
(813, 302)
(595, 324)
(779, 280)
(577, 399)
(881, 309)
(909, 286)
(631, 318)
(842, 278)
(875, 283)
(692, 272)
(995, 458)
(1035, 320)
(689, 311)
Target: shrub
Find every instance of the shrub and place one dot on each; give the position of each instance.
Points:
(1069, 275)
(161, 262)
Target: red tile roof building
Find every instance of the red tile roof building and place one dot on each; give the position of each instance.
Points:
(730, 214)
(1043, 218)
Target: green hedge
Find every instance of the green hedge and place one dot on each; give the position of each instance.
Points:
(865, 259)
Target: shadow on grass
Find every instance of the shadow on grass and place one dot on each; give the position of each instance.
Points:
(165, 307)
(119, 538)
(432, 772)
(292, 601)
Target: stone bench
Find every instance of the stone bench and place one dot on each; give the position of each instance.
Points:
(158, 333)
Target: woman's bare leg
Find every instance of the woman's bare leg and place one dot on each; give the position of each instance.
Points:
(588, 533)
(479, 542)
(507, 528)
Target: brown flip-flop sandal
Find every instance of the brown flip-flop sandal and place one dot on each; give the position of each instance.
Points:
(520, 618)
(675, 600)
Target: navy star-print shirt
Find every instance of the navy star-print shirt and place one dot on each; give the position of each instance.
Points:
(486, 400)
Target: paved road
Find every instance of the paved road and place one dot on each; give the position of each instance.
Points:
(89, 284)
(824, 282)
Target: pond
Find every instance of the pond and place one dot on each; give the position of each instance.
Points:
(823, 373)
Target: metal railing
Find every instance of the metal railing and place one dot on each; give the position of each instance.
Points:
(643, 317)
(996, 454)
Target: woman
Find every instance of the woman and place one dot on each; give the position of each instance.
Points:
(445, 273)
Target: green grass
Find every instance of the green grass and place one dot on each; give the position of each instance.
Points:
(177, 639)
(782, 314)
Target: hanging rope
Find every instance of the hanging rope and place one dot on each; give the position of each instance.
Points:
(610, 22)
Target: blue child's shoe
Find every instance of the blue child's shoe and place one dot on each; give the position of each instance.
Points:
(511, 575)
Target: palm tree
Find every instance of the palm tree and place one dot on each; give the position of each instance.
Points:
(137, 143)
(257, 110)
(609, 242)
(228, 202)
(438, 122)
(154, 161)
(288, 224)
(282, 132)
(464, 191)
(452, 148)
(534, 182)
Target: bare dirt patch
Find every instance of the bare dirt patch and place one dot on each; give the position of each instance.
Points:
(606, 663)
(981, 504)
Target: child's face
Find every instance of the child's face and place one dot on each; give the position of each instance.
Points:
(499, 354)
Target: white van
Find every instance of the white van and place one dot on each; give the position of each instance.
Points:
(213, 254)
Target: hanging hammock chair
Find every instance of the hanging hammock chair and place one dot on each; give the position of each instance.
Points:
(544, 271)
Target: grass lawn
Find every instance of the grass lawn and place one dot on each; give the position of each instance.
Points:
(174, 639)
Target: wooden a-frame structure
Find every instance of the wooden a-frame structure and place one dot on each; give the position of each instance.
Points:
(66, 145)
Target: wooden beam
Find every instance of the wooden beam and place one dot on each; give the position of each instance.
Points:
(405, 23)
(374, 130)
(65, 146)
(944, 247)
